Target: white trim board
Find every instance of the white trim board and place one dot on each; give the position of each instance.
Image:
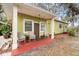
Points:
(24, 25)
(40, 27)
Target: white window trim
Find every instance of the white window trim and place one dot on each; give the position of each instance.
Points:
(40, 27)
(24, 25)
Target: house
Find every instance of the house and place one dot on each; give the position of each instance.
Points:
(60, 27)
(32, 20)
(29, 20)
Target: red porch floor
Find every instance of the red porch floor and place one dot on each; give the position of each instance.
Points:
(25, 47)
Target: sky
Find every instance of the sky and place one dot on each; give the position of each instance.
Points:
(62, 12)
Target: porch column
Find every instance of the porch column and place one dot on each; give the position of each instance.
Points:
(52, 28)
(14, 28)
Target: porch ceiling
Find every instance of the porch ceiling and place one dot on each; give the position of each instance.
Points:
(34, 11)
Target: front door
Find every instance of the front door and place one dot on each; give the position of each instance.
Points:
(36, 30)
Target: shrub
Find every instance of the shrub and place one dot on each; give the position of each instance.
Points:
(0, 32)
(5, 29)
(71, 32)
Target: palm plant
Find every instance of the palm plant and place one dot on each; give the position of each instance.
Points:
(5, 28)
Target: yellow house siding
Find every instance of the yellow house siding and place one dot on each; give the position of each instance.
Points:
(20, 23)
(21, 17)
(65, 27)
(48, 28)
(57, 28)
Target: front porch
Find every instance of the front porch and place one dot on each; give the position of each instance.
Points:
(25, 47)
(35, 12)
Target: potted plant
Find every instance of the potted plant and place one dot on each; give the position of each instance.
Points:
(49, 35)
(43, 36)
(27, 38)
(5, 31)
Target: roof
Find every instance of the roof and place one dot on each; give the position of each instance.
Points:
(61, 21)
(34, 11)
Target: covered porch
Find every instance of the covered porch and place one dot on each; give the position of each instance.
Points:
(33, 11)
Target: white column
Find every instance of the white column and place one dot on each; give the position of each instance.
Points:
(14, 28)
(52, 28)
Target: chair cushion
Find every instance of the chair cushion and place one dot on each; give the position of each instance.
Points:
(32, 37)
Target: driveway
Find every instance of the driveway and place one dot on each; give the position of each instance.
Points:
(62, 45)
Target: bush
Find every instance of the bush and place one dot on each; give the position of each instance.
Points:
(71, 32)
(5, 29)
(0, 32)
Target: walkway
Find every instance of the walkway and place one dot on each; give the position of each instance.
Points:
(63, 45)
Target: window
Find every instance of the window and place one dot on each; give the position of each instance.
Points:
(27, 25)
(60, 26)
(42, 27)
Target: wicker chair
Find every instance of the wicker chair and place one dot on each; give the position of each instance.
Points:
(6, 46)
(21, 37)
(32, 36)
